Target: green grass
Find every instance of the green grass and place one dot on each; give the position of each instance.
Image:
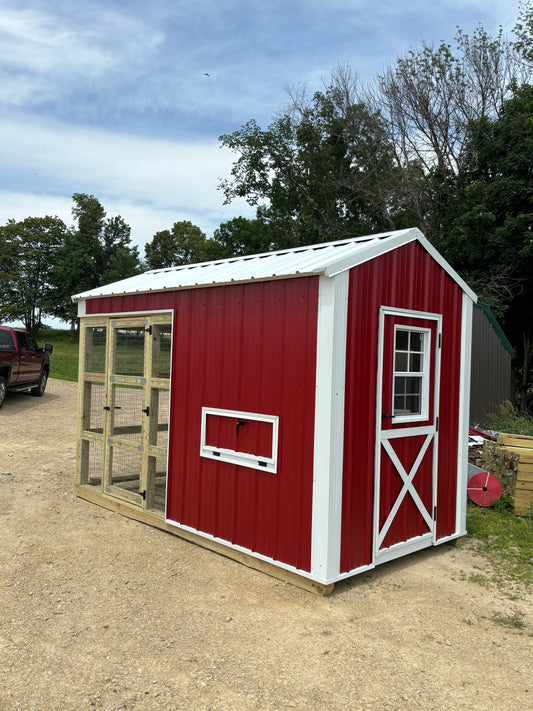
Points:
(504, 540)
(509, 420)
(510, 619)
(64, 359)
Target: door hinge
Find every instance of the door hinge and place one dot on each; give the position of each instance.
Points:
(434, 513)
(440, 339)
(146, 410)
(148, 330)
(143, 494)
(437, 424)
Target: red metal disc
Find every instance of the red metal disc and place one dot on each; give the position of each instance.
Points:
(484, 488)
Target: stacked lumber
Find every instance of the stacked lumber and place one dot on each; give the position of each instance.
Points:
(510, 459)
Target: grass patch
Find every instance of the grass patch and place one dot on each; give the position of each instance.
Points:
(505, 540)
(64, 359)
(513, 619)
(510, 421)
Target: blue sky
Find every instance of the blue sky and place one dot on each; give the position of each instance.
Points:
(112, 98)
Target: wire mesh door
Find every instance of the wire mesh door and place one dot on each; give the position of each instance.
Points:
(124, 409)
(137, 412)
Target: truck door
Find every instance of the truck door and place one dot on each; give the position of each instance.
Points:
(30, 359)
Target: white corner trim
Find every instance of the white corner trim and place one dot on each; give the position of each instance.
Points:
(464, 414)
(82, 308)
(329, 426)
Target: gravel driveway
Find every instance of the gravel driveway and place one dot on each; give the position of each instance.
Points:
(101, 612)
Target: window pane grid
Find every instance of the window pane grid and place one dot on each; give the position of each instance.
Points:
(409, 375)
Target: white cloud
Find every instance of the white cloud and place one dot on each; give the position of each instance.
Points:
(157, 171)
(151, 183)
(44, 54)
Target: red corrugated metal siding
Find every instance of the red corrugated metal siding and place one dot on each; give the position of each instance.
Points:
(408, 522)
(406, 278)
(252, 348)
(249, 436)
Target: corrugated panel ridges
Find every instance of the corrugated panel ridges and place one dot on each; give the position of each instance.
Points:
(406, 278)
(249, 348)
(271, 265)
(491, 370)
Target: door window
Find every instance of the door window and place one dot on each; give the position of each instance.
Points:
(411, 373)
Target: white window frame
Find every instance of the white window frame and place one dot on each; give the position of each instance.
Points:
(232, 456)
(424, 375)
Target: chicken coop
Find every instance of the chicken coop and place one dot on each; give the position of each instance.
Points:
(302, 411)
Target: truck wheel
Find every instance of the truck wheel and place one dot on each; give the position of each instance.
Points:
(41, 386)
(3, 390)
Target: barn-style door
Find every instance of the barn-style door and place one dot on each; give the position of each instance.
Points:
(124, 408)
(406, 432)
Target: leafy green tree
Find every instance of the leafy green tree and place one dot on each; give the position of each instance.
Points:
(29, 252)
(239, 237)
(490, 222)
(120, 259)
(523, 31)
(185, 243)
(322, 171)
(95, 252)
(430, 99)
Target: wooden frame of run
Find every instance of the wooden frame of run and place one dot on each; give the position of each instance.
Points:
(112, 434)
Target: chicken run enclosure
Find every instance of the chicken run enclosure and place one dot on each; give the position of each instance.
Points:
(125, 403)
(303, 411)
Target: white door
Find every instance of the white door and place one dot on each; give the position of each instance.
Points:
(406, 432)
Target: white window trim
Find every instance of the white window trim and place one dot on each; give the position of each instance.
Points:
(425, 376)
(232, 456)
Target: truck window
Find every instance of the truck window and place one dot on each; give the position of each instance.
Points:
(32, 343)
(22, 339)
(6, 341)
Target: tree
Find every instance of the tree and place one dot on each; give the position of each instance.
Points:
(185, 243)
(29, 253)
(241, 236)
(490, 222)
(431, 98)
(119, 258)
(95, 252)
(524, 33)
(322, 171)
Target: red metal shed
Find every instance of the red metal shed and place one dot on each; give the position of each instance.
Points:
(305, 409)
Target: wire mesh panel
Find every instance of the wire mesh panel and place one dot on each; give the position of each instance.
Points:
(129, 350)
(161, 347)
(127, 412)
(95, 349)
(125, 469)
(93, 415)
(159, 410)
(157, 484)
(91, 463)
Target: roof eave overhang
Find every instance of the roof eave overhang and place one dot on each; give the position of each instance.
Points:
(90, 295)
(380, 247)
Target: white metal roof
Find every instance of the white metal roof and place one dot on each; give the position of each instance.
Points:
(328, 258)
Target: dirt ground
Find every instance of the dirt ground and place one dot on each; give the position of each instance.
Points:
(100, 612)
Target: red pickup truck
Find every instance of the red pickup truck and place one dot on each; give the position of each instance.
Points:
(23, 365)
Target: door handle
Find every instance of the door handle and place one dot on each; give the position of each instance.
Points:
(383, 416)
